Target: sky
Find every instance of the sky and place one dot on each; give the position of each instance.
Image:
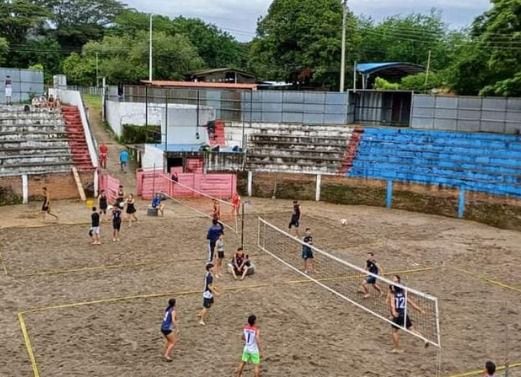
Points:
(239, 17)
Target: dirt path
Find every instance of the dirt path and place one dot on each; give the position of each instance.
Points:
(102, 135)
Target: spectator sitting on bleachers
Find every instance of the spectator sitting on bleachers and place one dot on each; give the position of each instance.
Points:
(156, 203)
(35, 102)
(51, 102)
(58, 102)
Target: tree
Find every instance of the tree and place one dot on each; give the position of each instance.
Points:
(490, 60)
(420, 82)
(17, 18)
(4, 48)
(217, 48)
(299, 35)
(405, 39)
(125, 59)
(78, 21)
(80, 70)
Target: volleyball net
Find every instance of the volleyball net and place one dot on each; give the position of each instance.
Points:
(200, 202)
(344, 280)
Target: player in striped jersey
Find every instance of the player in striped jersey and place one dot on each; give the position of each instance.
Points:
(252, 346)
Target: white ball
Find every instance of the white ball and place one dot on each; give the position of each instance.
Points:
(343, 221)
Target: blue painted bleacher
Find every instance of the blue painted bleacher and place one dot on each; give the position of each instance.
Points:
(488, 163)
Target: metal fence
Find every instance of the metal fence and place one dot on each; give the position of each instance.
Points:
(365, 107)
(26, 84)
(273, 106)
(471, 114)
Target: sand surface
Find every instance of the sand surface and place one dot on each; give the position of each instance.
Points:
(307, 330)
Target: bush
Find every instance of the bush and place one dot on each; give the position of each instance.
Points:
(383, 84)
(9, 197)
(134, 134)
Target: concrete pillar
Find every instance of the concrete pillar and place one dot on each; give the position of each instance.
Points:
(250, 183)
(96, 183)
(25, 189)
(317, 189)
(461, 203)
(389, 196)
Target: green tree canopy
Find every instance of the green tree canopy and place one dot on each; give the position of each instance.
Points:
(301, 34)
(4, 48)
(125, 59)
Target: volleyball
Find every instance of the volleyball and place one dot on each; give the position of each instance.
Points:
(343, 221)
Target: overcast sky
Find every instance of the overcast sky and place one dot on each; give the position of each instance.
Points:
(239, 17)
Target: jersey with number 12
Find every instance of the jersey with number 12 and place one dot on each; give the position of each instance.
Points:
(250, 339)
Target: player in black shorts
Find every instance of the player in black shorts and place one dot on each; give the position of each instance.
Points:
(307, 252)
(103, 203)
(116, 221)
(210, 290)
(295, 218)
(375, 269)
(398, 302)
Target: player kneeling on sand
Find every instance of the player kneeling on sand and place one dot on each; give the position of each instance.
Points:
(252, 347)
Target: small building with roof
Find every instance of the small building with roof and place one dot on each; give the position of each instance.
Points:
(225, 75)
(391, 71)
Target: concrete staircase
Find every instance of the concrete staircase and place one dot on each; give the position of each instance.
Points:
(298, 149)
(77, 142)
(32, 142)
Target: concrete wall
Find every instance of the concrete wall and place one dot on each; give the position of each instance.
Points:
(470, 114)
(275, 106)
(182, 123)
(60, 185)
(26, 82)
(181, 119)
(153, 158)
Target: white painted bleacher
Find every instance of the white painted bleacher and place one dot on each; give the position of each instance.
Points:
(33, 142)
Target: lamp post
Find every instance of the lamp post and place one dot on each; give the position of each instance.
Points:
(343, 59)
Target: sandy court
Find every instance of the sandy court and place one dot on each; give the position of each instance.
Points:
(307, 330)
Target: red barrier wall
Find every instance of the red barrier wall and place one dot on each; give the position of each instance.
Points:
(221, 186)
(110, 185)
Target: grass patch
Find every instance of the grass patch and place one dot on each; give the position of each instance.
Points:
(92, 102)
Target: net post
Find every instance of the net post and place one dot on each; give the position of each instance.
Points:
(406, 294)
(242, 225)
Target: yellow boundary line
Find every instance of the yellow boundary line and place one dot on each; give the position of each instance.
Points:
(486, 279)
(479, 372)
(28, 345)
(107, 267)
(231, 289)
(27, 339)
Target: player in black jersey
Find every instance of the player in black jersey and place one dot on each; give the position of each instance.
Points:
(398, 302)
(294, 222)
(375, 269)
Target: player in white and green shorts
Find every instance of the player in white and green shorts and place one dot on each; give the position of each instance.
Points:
(252, 347)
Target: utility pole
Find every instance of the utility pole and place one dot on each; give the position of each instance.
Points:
(428, 70)
(97, 70)
(150, 52)
(343, 59)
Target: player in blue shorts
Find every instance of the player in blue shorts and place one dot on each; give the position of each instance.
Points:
(398, 301)
(375, 269)
(169, 328)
